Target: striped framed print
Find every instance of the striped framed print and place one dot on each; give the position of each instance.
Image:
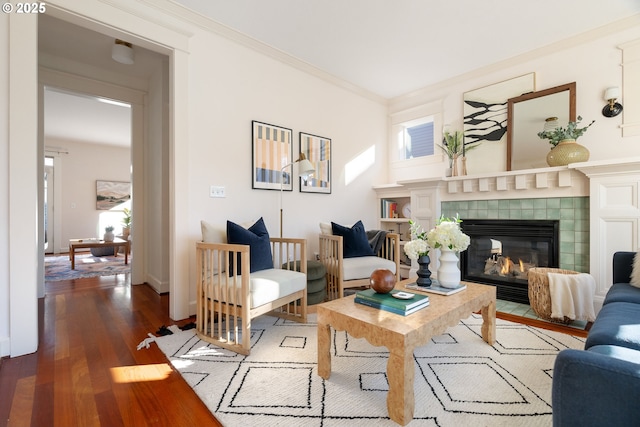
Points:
(272, 149)
(317, 149)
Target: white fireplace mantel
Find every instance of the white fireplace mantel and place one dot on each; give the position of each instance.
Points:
(613, 187)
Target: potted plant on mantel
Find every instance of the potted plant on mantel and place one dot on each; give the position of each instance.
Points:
(453, 145)
(564, 148)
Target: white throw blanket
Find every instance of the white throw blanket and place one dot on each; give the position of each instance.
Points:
(572, 296)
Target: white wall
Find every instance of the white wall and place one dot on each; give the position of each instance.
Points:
(80, 168)
(592, 60)
(241, 86)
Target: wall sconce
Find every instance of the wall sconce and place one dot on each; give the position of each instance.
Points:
(613, 108)
(122, 52)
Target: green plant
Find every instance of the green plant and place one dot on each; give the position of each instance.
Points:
(453, 144)
(126, 221)
(572, 131)
(108, 228)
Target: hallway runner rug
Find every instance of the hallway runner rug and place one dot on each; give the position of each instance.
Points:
(59, 267)
(459, 379)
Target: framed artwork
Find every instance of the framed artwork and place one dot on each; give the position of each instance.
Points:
(485, 120)
(110, 194)
(272, 149)
(317, 149)
(485, 109)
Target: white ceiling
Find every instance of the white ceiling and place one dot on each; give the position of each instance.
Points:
(394, 47)
(387, 47)
(75, 117)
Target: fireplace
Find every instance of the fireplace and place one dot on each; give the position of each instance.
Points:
(502, 251)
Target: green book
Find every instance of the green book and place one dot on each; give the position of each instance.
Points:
(391, 301)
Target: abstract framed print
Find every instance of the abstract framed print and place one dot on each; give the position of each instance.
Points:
(272, 150)
(317, 149)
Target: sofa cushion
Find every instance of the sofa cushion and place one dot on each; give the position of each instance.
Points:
(257, 237)
(622, 292)
(325, 228)
(635, 272)
(621, 353)
(270, 284)
(362, 267)
(354, 240)
(618, 323)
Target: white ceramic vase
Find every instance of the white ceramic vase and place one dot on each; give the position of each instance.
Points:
(448, 271)
(108, 236)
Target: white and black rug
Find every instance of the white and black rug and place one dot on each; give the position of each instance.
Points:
(459, 379)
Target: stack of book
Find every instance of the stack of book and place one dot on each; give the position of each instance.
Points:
(402, 304)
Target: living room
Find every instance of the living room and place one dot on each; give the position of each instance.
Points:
(222, 81)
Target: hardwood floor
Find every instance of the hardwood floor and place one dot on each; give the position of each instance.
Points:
(87, 371)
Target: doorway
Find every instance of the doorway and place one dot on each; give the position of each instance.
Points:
(49, 241)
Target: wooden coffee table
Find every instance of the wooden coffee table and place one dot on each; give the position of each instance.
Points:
(402, 334)
(94, 243)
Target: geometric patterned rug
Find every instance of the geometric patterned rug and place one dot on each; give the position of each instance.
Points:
(459, 379)
(59, 267)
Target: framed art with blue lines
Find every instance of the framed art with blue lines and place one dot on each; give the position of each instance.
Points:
(272, 148)
(317, 149)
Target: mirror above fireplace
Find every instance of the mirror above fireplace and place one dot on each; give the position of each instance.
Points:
(526, 115)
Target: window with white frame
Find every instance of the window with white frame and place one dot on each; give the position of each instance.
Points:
(417, 138)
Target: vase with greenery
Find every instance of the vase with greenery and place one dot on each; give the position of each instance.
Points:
(449, 238)
(564, 148)
(453, 146)
(126, 223)
(108, 234)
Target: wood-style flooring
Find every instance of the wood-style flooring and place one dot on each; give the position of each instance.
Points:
(87, 370)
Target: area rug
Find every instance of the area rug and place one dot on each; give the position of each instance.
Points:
(59, 267)
(459, 379)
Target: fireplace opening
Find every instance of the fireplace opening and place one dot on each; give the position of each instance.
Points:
(502, 251)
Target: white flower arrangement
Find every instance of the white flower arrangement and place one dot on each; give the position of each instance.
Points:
(447, 234)
(418, 246)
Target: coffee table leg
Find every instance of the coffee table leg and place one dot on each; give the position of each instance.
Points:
(324, 351)
(400, 373)
(126, 254)
(489, 323)
(72, 256)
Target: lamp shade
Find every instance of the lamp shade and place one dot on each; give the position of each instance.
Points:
(122, 52)
(612, 93)
(305, 168)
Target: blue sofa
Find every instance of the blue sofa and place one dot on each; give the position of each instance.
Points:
(600, 385)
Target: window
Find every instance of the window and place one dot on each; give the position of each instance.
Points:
(417, 138)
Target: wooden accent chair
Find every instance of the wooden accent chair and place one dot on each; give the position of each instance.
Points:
(227, 302)
(354, 272)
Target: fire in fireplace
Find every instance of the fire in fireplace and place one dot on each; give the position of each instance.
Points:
(501, 253)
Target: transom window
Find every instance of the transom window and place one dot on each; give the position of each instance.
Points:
(417, 138)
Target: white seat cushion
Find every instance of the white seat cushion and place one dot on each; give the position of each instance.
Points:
(362, 267)
(273, 283)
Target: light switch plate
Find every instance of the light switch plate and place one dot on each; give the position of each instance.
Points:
(216, 191)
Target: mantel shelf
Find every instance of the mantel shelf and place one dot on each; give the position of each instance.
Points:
(526, 183)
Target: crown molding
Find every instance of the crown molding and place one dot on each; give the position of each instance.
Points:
(588, 36)
(187, 15)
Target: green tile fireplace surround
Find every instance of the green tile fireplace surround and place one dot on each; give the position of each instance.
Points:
(572, 212)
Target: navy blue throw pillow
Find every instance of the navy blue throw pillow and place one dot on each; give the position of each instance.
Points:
(257, 237)
(354, 240)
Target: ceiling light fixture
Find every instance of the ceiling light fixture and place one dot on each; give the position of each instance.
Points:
(122, 52)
